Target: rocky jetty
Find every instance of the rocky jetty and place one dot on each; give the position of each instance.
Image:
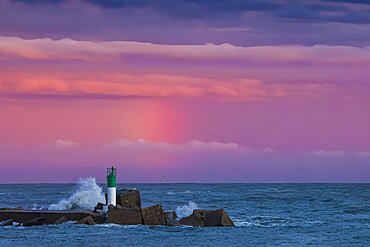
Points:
(128, 211)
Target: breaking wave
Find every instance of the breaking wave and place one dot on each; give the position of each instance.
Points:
(271, 221)
(88, 194)
(179, 192)
(186, 210)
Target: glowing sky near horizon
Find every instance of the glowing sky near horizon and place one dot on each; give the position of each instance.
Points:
(194, 91)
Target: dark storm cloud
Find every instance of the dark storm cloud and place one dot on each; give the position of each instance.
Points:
(306, 11)
(350, 1)
(238, 22)
(39, 1)
(295, 10)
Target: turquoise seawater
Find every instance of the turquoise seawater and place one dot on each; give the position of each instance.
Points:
(265, 215)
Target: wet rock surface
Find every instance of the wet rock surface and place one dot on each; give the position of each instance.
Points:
(22, 216)
(98, 207)
(86, 221)
(171, 215)
(7, 222)
(61, 220)
(201, 217)
(172, 222)
(154, 215)
(35, 222)
(129, 198)
(124, 216)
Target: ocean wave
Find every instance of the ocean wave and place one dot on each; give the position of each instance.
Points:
(272, 221)
(111, 225)
(272, 189)
(88, 194)
(186, 210)
(179, 192)
(35, 206)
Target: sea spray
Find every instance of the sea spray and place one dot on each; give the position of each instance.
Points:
(186, 210)
(86, 197)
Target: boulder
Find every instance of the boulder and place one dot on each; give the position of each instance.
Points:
(171, 215)
(61, 220)
(22, 216)
(99, 218)
(35, 222)
(7, 222)
(99, 207)
(172, 222)
(118, 206)
(124, 216)
(86, 221)
(154, 215)
(129, 198)
(201, 217)
(192, 220)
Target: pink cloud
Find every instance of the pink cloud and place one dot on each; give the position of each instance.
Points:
(151, 85)
(70, 49)
(64, 144)
(191, 146)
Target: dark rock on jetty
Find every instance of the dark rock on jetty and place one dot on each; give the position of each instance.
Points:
(124, 216)
(7, 222)
(172, 222)
(154, 215)
(171, 215)
(86, 221)
(35, 222)
(129, 198)
(171, 219)
(207, 218)
(61, 220)
(22, 216)
(98, 207)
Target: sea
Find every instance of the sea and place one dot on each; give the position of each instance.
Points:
(264, 215)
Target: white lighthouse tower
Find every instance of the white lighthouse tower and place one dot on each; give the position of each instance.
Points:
(111, 186)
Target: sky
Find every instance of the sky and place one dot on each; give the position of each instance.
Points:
(185, 90)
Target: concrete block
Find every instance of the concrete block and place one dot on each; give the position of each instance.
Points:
(7, 222)
(172, 222)
(171, 215)
(61, 220)
(124, 216)
(98, 207)
(154, 215)
(129, 198)
(86, 221)
(201, 217)
(35, 222)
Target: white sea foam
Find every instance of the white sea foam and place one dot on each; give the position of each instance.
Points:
(86, 197)
(271, 221)
(186, 210)
(35, 206)
(179, 192)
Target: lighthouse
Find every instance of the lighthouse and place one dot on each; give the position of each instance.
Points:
(111, 186)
